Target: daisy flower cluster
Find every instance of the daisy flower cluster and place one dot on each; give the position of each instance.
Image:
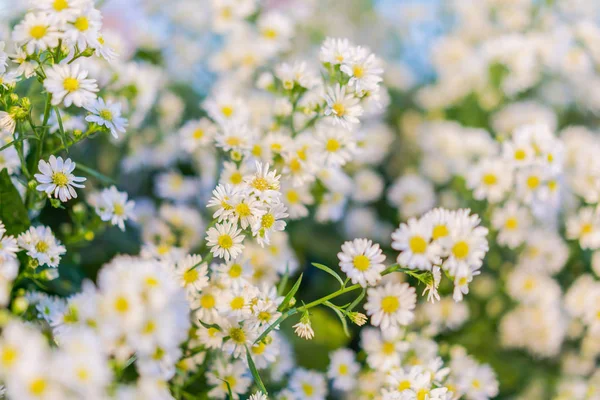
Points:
(136, 316)
(446, 241)
(401, 365)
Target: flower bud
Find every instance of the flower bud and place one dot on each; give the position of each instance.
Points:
(20, 305)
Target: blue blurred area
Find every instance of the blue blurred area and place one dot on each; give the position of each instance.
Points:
(420, 23)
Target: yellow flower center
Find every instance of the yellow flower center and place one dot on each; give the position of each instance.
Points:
(243, 210)
(460, 249)
(292, 196)
(236, 178)
(533, 182)
(190, 276)
(82, 374)
(343, 369)
(260, 184)
(422, 394)
(269, 33)
(121, 304)
(489, 179)
(259, 348)
(237, 303)
(338, 109)
(511, 223)
(403, 385)
(390, 304)
(361, 262)
(267, 220)
(332, 145)
(358, 71)
(207, 301)
(264, 316)
(308, 389)
(198, 134)
(38, 31)
(237, 335)
(38, 386)
(233, 141)
(417, 245)
(118, 209)
(439, 231)
(149, 328)
(225, 241)
(60, 179)
(388, 348)
(82, 23)
(528, 284)
(295, 165)
(106, 114)
(227, 111)
(71, 84)
(9, 356)
(586, 229)
(60, 5)
(42, 246)
(235, 270)
(520, 155)
(476, 384)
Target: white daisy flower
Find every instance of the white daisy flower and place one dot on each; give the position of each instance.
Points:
(62, 11)
(343, 107)
(36, 32)
(222, 199)
(270, 221)
(264, 183)
(304, 328)
(226, 375)
(69, 84)
(466, 245)
(245, 210)
(241, 337)
(490, 179)
(513, 223)
(308, 385)
(337, 146)
(107, 114)
(364, 69)
(8, 245)
(391, 305)
(362, 261)
(192, 274)
(84, 30)
(3, 58)
(196, 133)
(225, 240)
(114, 206)
(7, 123)
(39, 243)
(26, 67)
(258, 396)
(343, 369)
(413, 240)
(56, 178)
(585, 227)
(335, 51)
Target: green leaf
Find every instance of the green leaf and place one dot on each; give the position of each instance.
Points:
(230, 394)
(94, 173)
(357, 300)
(340, 315)
(274, 325)
(330, 272)
(290, 294)
(208, 326)
(63, 135)
(12, 210)
(255, 373)
(284, 281)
